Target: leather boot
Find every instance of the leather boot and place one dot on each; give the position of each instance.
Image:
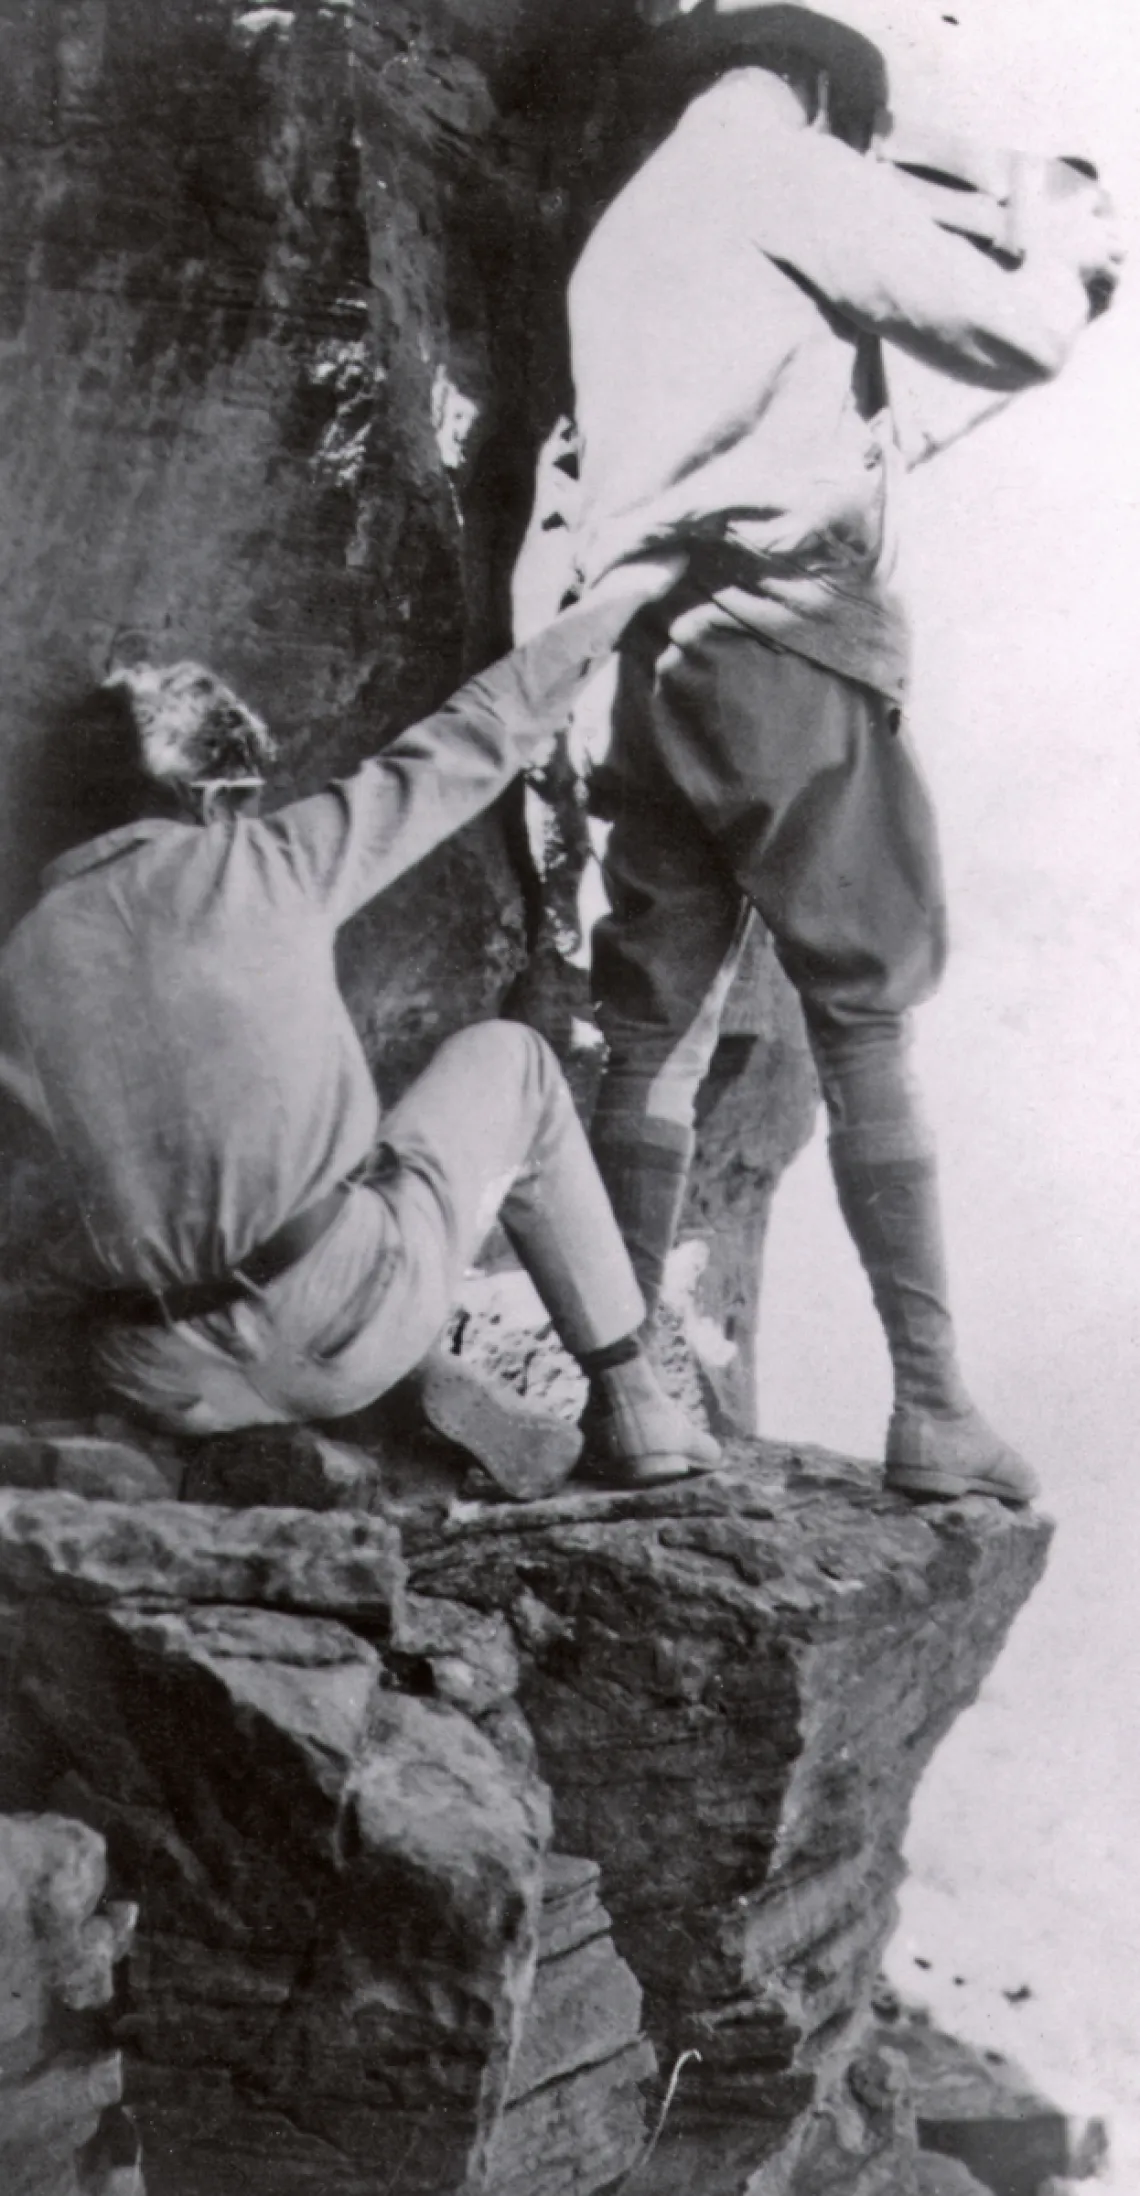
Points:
(938, 1445)
(635, 1435)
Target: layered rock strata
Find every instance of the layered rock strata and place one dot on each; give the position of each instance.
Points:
(446, 1836)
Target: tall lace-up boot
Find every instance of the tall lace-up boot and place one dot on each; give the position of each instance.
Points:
(939, 1446)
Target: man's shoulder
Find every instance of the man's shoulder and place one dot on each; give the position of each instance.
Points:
(727, 170)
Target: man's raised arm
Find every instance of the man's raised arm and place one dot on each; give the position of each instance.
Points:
(854, 232)
(348, 843)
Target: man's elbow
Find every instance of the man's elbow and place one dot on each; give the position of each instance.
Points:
(1010, 362)
(1043, 358)
(1053, 313)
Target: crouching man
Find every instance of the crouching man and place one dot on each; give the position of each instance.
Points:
(258, 1246)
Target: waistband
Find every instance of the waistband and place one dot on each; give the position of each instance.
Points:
(146, 1307)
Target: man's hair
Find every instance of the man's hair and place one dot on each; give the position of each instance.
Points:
(140, 743)
(694, 51)
(189, 726)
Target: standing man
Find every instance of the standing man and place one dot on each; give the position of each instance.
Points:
(256, 1245)
(729, 322)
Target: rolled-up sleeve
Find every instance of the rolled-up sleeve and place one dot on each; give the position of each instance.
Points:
(853, 232)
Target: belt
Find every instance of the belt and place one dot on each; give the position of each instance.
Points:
(143, 1307)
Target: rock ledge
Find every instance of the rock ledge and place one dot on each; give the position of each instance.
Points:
(448, 1841)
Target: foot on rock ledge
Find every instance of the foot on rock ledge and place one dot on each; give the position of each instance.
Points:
(938, 1456)
(636, 1435)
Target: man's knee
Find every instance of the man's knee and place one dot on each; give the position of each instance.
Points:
(869, 1089)
(500, 1054)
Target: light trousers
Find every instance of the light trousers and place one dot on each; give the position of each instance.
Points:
(487, 1132)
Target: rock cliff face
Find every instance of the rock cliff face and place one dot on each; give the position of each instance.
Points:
(60, 2086)
(280, 295)
(453, 1825)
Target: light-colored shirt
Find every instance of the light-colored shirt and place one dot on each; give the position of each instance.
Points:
(169, 1010)
(726, 321)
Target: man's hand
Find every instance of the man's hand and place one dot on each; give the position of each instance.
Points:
(1101, 279)
(548, 670)
(1077, 224)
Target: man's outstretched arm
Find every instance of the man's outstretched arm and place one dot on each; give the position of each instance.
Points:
(347, 844)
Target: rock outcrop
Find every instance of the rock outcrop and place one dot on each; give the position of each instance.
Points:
(449, 1840)
(981, 2113)
(63, 2131)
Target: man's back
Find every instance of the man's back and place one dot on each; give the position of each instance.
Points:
(725, 323)
(173, 999)
(708, 381)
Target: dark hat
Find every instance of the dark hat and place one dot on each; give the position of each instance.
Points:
(691, 52)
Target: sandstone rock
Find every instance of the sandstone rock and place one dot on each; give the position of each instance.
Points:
(739, 1766)
(575, 2115)
(343, 1564)
(341, 1882)
(378, 2031)
(286, 1467)
(59, 1945)
(48, 2116)
(111, 2165)
(81, 1463)
(585, 2008)
(56, 1946)
(980, 2109)
(469, 1658)
(861, 2141)
(358, 1956)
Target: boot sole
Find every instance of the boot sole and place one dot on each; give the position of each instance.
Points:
(625, 1477)
(936, 1486)
(527, 1456)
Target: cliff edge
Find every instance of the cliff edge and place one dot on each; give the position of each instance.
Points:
(452, 1826)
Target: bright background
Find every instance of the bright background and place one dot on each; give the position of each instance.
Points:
(1026, 579)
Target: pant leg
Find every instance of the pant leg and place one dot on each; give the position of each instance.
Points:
(489, 1130)
(801, 786)
(810, 788)
(663, 962)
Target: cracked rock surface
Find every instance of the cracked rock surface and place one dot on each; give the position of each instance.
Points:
(449, 1840)
(63, 2131)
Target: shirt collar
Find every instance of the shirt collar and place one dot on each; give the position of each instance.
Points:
(106, 848)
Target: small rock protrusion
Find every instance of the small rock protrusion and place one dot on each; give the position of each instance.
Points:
(76, 1460)
(946, 2177)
